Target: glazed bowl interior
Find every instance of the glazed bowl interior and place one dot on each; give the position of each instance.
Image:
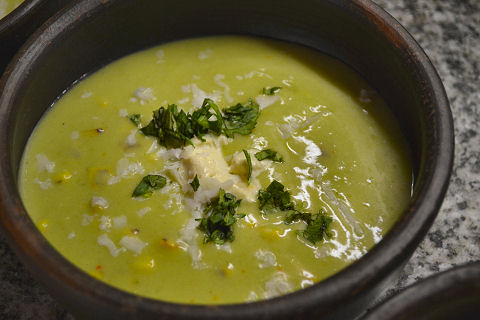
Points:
(92, 33)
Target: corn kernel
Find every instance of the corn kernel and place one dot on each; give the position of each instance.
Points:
(43, 225)
(63, 176)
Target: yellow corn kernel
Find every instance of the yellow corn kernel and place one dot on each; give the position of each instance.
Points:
(63, 176)
(168, 244)
(143, 264)
(228, 270)
(42, 225)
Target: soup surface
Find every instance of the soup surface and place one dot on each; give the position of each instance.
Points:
(344, 163)
(7, 6)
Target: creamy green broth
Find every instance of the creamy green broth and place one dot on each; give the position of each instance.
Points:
(343, 153)
(7, 6)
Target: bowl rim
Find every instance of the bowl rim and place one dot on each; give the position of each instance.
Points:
(373, 267)
(438, 289)
(19, 14)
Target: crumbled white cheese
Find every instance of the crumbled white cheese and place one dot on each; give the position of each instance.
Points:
(256, 73)
(132, 243)
(123, 113)
(267, 258)
(43, 184)
(98, 202)
(105, 223)
(87, 219)
(131, 141)
(188, 240)
(119, 222)
(44, 164)
(86, 95)
(198, 95)
(74, 135)
(71, 235)
(144, 95)
(105, 241)
(252, 296)
(143, 211)
(205, 54)
(125, 169)
(277, 286)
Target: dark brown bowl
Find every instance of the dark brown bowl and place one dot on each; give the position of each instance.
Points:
(19, 24)
(94, 32)
(452, 294)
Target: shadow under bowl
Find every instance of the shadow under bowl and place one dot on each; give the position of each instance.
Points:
(93, 33)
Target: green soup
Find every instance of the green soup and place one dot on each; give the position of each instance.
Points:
(7, 6)
(343, 155)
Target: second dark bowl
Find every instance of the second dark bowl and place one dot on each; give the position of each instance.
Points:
(94, 32)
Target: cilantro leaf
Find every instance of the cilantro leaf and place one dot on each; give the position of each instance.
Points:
(294, 215)
(317, 229)
(269, 154)
(275, 198)
(241, 119)
(149, 184)
(195, 183)
(271, 91)
(219, 217)
(135, 118)
(249, 163)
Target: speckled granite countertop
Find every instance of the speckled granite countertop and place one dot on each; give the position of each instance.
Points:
(449, 31)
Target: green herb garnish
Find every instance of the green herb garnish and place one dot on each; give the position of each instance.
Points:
(135, 118)
(275, 198)
(249, 163)
(195, 183)
(271, 91)
(149, 184)
(317, 228)
(219, 217)
(269, 154)
(175, 128)
(241, 118)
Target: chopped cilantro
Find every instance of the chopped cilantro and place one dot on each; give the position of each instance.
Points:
(241, 118)
(219, 217)
(269, 154)
(294, 215)
(149, 184)
(195, 183)
(271, 91)
(275, 198)
(249, 163)
(135, 118)
(175, 128)
(317, 228)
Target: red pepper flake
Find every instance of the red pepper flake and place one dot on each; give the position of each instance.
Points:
(99, 267)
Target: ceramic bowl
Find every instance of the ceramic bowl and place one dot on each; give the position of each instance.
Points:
(93, 33)
(19, 24)
(452, 294)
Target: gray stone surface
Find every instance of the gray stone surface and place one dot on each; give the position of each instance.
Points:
(449, 31)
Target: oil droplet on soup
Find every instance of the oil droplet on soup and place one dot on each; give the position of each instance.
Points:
(342, 157)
